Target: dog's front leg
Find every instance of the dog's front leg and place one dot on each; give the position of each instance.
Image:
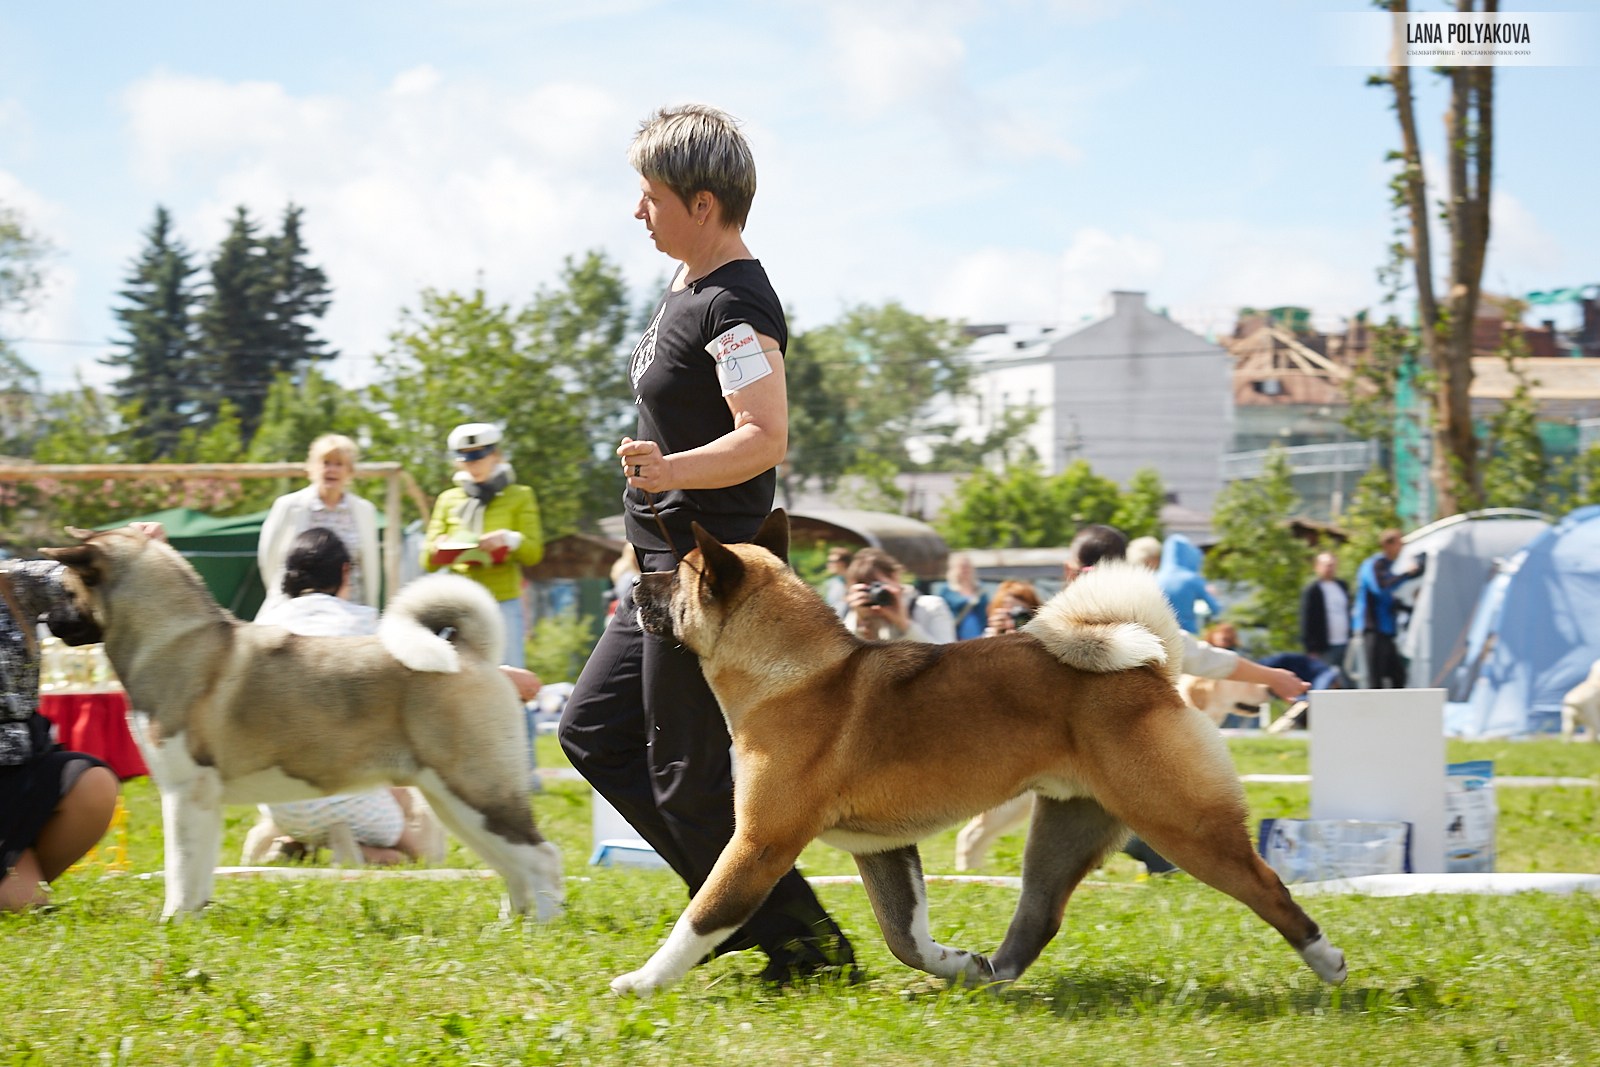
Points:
(745, 873)
(899, 897)
(191, 819)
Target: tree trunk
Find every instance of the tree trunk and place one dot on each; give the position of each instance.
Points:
(1446, 340)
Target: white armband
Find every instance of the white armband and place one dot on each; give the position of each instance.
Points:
(740, 359)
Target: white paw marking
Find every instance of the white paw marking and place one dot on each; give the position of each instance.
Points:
(1325, 960)
(634, 983)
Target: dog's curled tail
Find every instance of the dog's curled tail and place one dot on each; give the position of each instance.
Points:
(434, 616)
(1112, 618)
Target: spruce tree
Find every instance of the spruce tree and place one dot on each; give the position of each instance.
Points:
(255, 323)
(236, 327)
(157, 356)
(299, 293)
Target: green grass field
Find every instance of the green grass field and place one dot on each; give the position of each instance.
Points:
(1163, 971)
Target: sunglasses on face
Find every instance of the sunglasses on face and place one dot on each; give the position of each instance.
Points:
(468, 455)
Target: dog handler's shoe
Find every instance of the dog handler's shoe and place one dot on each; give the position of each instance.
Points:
(286, 849)
(828, 954)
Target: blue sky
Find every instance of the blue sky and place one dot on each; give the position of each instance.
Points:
(1003, 160)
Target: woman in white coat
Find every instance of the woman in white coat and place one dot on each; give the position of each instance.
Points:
(328, 503)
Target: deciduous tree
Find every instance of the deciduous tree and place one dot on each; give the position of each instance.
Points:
(463, 358)
(582, 325)
(1257, 549)
(1371, 511)
(22, 254)
(864, 389)
(1516, 469)
(1021, 507)
(1445, 324)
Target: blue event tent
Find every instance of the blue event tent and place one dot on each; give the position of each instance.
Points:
(1463, 552)
(1534, 636)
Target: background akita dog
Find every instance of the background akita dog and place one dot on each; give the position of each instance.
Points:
(229, 712)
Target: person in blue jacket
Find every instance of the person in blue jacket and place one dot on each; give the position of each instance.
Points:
(969, 604)
(1179, 578)
(1373, 615)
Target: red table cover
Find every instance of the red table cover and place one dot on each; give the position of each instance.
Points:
(96, 723)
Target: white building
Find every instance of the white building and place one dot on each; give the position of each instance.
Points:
(1131, 390)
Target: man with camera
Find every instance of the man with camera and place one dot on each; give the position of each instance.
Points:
(1375, 615)
(879, 608)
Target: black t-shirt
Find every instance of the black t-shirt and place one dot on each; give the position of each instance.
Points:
(681, 405)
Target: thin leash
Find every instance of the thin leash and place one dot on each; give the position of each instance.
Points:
(661, 524)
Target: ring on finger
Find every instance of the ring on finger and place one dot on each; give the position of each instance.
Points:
(636, 470)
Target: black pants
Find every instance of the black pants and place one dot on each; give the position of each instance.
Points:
(644, 728)
(1386, 668)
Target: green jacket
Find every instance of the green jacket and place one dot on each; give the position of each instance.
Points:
(513, 508)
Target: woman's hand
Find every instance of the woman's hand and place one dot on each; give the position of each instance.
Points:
(510, 540)
(153, 530)
(526, 682)
(1286, 685)
(644, 465)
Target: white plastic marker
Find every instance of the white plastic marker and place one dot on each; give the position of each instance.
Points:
(740, 359)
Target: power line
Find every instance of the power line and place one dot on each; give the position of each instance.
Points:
(981, 363)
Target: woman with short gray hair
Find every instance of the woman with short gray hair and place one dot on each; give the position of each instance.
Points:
(708, 381)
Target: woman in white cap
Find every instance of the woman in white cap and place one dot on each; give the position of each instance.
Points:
(486, 526)
(327, 502)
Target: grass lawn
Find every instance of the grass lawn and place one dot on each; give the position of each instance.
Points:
(1164, 971)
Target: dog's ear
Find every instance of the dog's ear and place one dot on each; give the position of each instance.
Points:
(720, 569)
(84, 559)
(774, 535)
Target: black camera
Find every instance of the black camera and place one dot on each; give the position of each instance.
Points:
(879, 595)
(1021, 615)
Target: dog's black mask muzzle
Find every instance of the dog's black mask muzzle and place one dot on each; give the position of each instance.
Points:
(652, 596)
(73, 627)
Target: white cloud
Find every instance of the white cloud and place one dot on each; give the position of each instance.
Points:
(1028, 285)
(886, 57)
(1522, 253)
(429, 183)
(899, 59)
(38, 214)
(571, 123)
(1000, 285)
(51, 313)
(178, 120)
(1201, 271)
(1097, 262)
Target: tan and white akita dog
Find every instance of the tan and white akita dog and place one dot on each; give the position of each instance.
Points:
(873, 746)
(229, 712)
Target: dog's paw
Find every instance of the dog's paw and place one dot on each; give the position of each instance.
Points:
(1325, 960)
(976, 971)
(635, 984)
